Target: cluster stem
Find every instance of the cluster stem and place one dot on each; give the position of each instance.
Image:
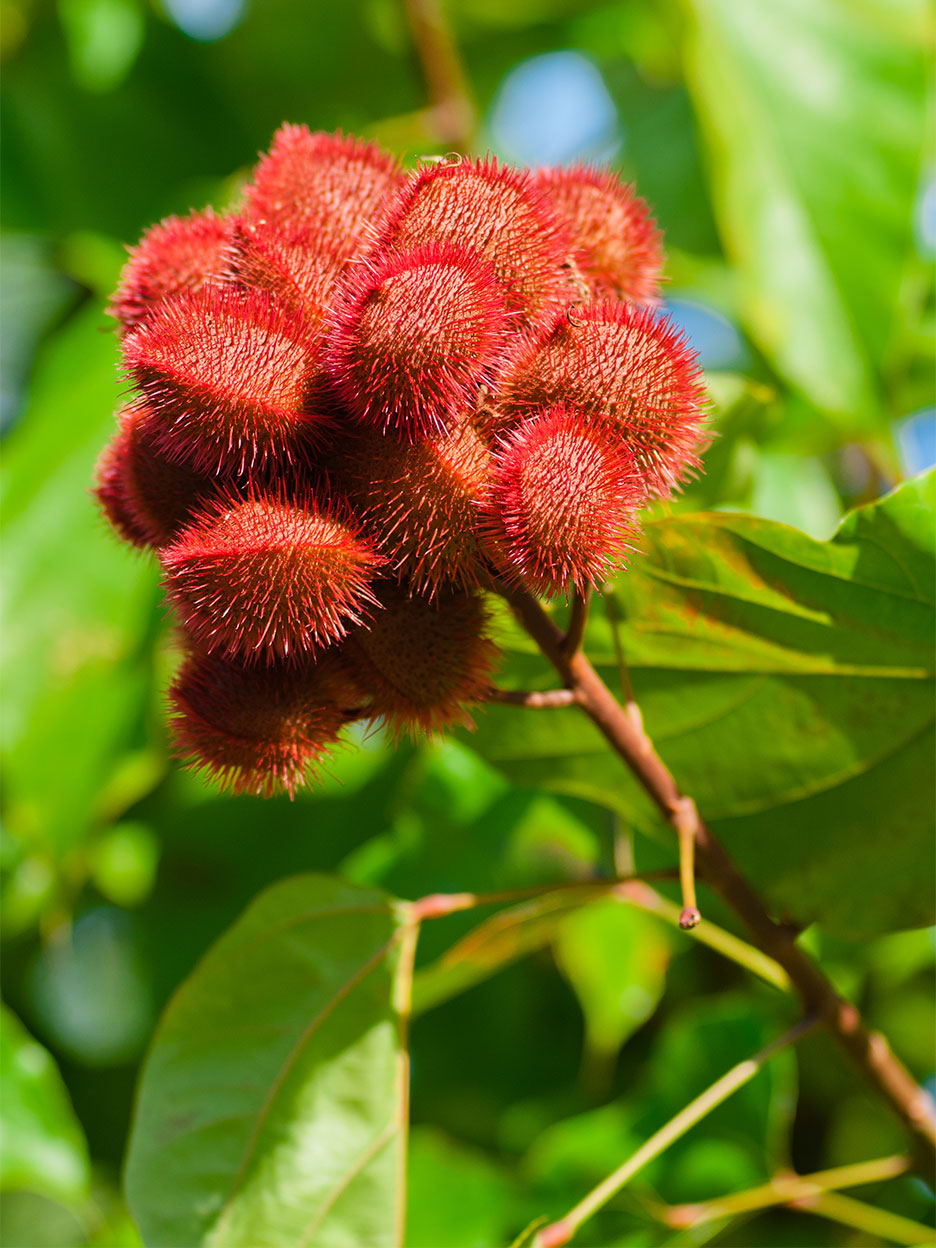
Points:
(625, 733)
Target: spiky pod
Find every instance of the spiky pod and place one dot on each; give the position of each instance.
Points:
(146, 498)
(423, 661)
(420, 501)
(628, 366)
(259, 579)
(258, 730)
(286, 264)
(560, 514)
(414, 335)
(179, 254)
(618, 248)
(229, 377)
(496, 211)
(335, 187)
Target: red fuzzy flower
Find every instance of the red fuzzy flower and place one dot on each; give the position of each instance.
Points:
(286, 264)
(179, 254)
(561, 508)
(255, 729)
(146, 497)
(229, 378)
(414, 336)
(618, 247)
(258, 578)
(496, 211)
(423, 660)
(628, 366)
(421, 501)
(331, 185)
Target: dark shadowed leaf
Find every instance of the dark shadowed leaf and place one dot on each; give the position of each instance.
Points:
(788, 684)
(272, 1109)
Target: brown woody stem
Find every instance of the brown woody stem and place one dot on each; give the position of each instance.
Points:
(578, 619)
(452, 111)
(625, 733)
(538, 700)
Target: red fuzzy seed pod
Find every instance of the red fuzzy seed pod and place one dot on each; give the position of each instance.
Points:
(335, 187)
(177, 255)
(423, 661)
(258, 730)
(618, 247)
(230, 378)
(414, 336)
(496, 211)
(561, 509)
(147, 499)
(628, 366)
(256, 578)
(421, 502)
(286, 264)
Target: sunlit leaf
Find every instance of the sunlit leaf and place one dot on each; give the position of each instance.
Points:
(42, 1146)
(272, 1109)
(810, 110)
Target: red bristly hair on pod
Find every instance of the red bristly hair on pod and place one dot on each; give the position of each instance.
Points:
(420, 501)
(496, 211)
(179, 254)
(147, 499)
(286, 264)
(618, 248)
(628, 366)
(332, 185)
(229, 377)
(423, 661)
(259, 730)
(560, 514)
(414, 335)
(263, 579)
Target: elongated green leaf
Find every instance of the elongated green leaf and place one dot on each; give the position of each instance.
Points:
(77, 602)
(272, 1109)
(811, 111)
(42, 1146)
(788, 684)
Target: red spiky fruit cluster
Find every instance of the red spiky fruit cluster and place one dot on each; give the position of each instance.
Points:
(363, 399)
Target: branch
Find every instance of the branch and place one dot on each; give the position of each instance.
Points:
(559, 1233)
(636, 893)
(783, 1189)
(578, 619)
(876, 1223)
(626, 735)
(548, 699)
(438, 905)
(452, 116)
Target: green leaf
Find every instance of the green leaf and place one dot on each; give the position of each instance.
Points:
(78, 603)
(615, 958)
(42, 1146)
(457, 1196)
(497, 942)
(811, 113)
(787, 683)
(272, 1108)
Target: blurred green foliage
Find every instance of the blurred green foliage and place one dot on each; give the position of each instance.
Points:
(781, 143)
